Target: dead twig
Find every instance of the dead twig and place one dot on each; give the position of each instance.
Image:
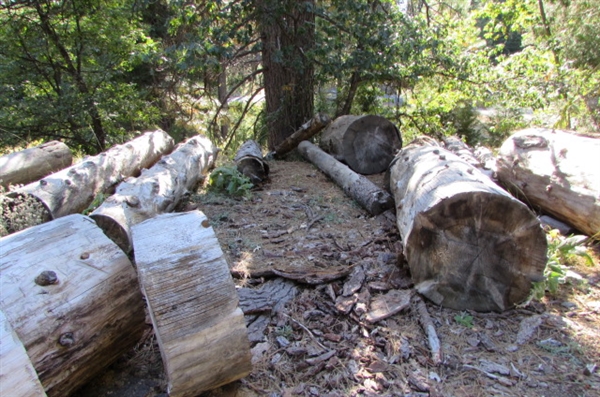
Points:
(427, 324)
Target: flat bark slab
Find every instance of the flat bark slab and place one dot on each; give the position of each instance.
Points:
(388, 304)
(310, 273)
(557, 172)
(72, 297)
(192, 302)
(31, 164)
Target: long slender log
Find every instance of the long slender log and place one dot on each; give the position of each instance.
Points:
(72, 297)
(157, 190)
(34, 163)
(469, 244)
(359, 187)
(557, 172)
(305, 132)
(73, 189)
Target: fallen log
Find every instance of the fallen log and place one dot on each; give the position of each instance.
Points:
(469, 244)
(34, 163)
(304, 133)
(73, 189)
(192, 302)
(249, 161)
(157, 190)
(556, 172)
(72, 297)
(359, 187)
(367, 144)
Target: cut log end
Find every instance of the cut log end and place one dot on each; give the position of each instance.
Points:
(114, 231)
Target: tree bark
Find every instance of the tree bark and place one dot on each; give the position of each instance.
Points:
(305, 132)
(73, 189)
(34, 163)
(250, 162)
(366, 143)
(469, 244)
(557, 172)
(361, 189)
(192, 301)
(157, 190)
(72, 297)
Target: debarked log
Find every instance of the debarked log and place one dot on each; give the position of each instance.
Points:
(73, 189)
(469, 244)
(157, 190)
(192, 302)
(358, 187)
(557, 172)
(72, 297)
(31, 164)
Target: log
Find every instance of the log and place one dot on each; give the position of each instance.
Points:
(469, 244)
(557, 172)
(304, 133)
(358, 187)
(17, 375)
(192, 302)
(250, 162)
(157, 190)
(72, 297)
(34, 163)
(367, 144)
(73, 189)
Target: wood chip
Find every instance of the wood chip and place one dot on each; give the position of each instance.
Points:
(355, 281)
(344, 304)
(527, 328)
(323, 357)
(384, 306)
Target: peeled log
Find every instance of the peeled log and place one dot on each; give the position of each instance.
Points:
(72, 297)
(73, 189)
(557, 172)
(359, 187)
(157, 190)
(367, 144)
(34, 163)
(469, 244)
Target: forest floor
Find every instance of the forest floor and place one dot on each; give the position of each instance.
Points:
(296, 239)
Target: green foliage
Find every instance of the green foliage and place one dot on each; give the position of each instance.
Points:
(228, 180)
(98, 200)
(464, 319)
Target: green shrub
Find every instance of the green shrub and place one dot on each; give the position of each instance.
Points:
(227, 179)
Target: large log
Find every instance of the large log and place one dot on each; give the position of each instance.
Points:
(359, 187)
(72, 297)
(34, 163)
(192, 302)
(157, 190)
(249, 161)
(469, 244)
(366, 143)
(305, 132)
(73, 189)
(557, 172)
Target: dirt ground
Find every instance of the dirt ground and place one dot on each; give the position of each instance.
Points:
(301, 232)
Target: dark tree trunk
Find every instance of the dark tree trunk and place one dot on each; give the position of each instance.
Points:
(287, 34)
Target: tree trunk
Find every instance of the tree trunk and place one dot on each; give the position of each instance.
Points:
(73, 189)
(32, 164)
(305, 132)
(250, 162)
(72, 297)
(158, 190)
(361, 189)
(366, 143)
(469, 244)
(192, 301)
(557, 172)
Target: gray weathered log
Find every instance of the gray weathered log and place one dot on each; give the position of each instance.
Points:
(192, 302)
(358, 187)
(72, 297)
(250, 162)
(557, 172)
(367, 144)
(34, 163)
(157, 190)
(469, 244)
(73, 189)
(305, 132)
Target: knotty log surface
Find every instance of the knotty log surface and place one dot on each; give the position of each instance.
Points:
(79, 324)
(192, 301)
(557, 172)
(469, 244)
(305, 132)
(157, 190)
(359, 187)
(250, 162)
(31, 164)
(366, 143)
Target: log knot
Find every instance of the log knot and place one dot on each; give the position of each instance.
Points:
(45, 278)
